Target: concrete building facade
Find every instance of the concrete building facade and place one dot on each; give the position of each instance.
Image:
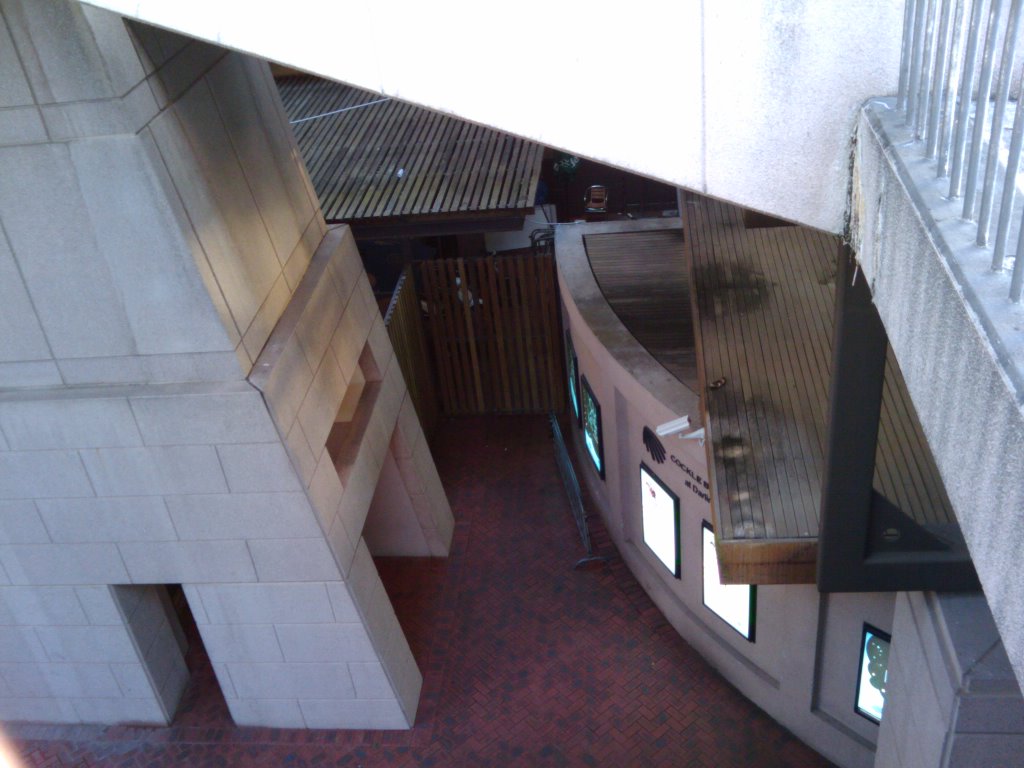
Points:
(182, 338)
(196, 387)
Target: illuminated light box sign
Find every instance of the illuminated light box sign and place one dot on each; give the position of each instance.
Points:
(661, 519)
(572, 368)
(874, 673)
(735, 604)
(592, 426)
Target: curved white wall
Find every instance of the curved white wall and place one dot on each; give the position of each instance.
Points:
(802, 666)
(751, 102)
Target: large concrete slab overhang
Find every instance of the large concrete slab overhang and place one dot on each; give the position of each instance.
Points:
(756, 108)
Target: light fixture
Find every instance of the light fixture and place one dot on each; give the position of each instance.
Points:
(672, 427)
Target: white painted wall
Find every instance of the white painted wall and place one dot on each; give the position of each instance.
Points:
(752, 102)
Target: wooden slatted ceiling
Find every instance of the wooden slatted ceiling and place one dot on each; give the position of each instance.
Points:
(765, 302)
(644, 278)
(449, 166)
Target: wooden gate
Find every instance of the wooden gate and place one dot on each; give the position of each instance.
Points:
(409, 340)
(494, 329)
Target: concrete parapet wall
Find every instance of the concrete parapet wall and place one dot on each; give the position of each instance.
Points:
(965, 397)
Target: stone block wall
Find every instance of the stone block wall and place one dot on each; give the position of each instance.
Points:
(296, 655)
(420, 484)
(161, 644)
(250, 221)
(157, 232)
(330, 338)
(200, 492)
(68, 655)
(141, 175)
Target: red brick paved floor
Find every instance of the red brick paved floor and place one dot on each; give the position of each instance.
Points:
(526, 661)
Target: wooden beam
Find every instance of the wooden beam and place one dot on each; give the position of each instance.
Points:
(867, 543)
(771, 561)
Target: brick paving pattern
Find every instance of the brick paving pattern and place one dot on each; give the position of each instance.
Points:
(526, 662)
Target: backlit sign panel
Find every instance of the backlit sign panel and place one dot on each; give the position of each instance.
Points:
(660, 508)
(735, 604)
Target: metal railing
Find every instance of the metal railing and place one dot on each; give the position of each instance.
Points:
(953, 51)
(572, 490)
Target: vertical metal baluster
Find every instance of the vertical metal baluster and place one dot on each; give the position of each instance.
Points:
(964, 107)
(981, 107)
(939, 79)
(995, 138)
(949, 100)
(916, 62)
(1009, 187)
(1017, 280)
(929, 72)
(906, 54)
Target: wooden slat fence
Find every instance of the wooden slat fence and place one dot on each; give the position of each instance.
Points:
(405, 328)
(494, 329)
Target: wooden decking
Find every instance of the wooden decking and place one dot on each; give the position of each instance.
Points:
(381, 161)
(643, 276)
(765, 316)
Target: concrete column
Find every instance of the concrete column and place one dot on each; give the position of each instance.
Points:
(171, 366)
(87, 654)
(953, 700)
(410, 514)
(307, 654)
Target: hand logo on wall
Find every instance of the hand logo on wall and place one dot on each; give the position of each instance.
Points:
(654, 446)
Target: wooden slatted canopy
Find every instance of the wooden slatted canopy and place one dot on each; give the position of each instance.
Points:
(388, 165)
(644, 278)
(764, 301)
